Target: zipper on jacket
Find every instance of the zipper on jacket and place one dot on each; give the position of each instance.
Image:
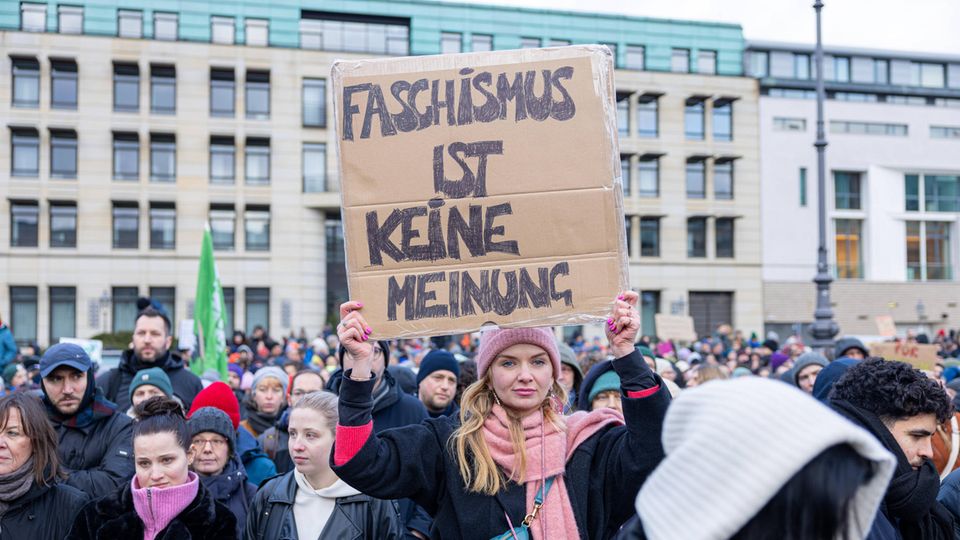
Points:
(150, 503)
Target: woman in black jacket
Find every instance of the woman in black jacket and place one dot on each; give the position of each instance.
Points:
(511, 464)
(32, 502)
(164, 501)
(310, 502)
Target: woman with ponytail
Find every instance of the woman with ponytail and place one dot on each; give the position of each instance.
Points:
(164, 500)
(511, 465)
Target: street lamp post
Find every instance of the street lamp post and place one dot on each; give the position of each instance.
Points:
(824, 327)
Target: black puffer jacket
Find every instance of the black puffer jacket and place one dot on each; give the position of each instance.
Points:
(185, 384)
(114, 518)
(232, 489)
(43, 512)
(353, 517)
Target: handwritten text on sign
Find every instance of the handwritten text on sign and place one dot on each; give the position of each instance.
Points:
(478, 194)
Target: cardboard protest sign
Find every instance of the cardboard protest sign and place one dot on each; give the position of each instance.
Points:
(885, 326)
(481, 188)
(919, 355)
(675, 327)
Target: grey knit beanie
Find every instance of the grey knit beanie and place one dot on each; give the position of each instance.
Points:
(272, 372)
(213, 420)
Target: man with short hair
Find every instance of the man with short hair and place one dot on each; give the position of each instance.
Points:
(901, 407)
(151, 348)
(437, 383)
(274, 439)
(95, 437)
(850, 347)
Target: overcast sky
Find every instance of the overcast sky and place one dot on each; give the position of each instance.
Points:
(907, 25)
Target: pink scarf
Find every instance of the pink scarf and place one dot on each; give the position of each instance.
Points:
(158, 507)
(556, 519)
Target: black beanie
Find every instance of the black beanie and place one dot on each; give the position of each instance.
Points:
(437, 360)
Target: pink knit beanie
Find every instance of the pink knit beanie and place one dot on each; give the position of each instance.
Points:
(493, 342)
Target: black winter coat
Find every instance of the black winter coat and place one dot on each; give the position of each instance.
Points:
(231, 489)
(353, 518)
(43, 512)
(602, 476)
(185, 384)
(114, 518)
(97, 458)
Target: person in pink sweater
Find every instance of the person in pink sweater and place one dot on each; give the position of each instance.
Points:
(164, 500)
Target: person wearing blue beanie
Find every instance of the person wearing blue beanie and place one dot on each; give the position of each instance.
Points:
(437, 383)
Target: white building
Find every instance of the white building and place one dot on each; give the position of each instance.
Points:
(892, 185)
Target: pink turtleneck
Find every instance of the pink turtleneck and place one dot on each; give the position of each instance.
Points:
(158, 507)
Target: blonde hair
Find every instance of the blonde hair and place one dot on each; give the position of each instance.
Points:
(477, 467)
(324, 403)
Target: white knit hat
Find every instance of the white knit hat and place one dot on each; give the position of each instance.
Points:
(711, 435)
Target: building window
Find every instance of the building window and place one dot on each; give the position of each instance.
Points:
(167, 298)
(801, 66)
(163, 157)
(941, 193)
(928, 251)
(257, 164)
(723, 179)
(724, 238)
(649, 307)
(649, 176)
(901, 100)
(314, 103)
(858, 97)
(628, 223)
(450, 42)
(70, 19)
(26, 82)
(881, 71)
(230, 307)
(126, 156)
(163, 226)
(613, 53)
(792, 93)
(24, 224)
(697, 237)
(848, 248)
(33, 17)
(707, 62)
(222, 92)
(163, 89)
(680, 60)
(257, 309)
(945, 132)
(63, 153)
(63, 84)
(841, 69)
(803, 186)
(63, 224)
(257, 90)
(529, 43)
(314, 167)
(723, 120)
(696, 179)
(553, 42)
(223, 223)
(222, 160)
(634, 57)
(23, 314)
(481, 42)
(165, 26)
(648, 116)
(126, 225)
(758, 63)
(868, 128)
(789, 124)
(126, 87)
(649, 237)
(124, 308)
(781, 65)
(222, 30)
(355, 33)
(932, 75)
(256, 226)
(625, 174)
(25, 147)
(130, 23)
(63, 313)
(846, 190)
(623, 114)
(258, 32)
(912, 192)
(693, 119)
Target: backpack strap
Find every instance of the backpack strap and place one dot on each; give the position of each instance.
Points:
(271, 440)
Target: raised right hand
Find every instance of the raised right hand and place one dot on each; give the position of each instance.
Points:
(354, 334)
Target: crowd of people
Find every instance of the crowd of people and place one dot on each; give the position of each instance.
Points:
(508, 433)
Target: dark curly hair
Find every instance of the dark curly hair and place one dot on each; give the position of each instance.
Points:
(892, 391)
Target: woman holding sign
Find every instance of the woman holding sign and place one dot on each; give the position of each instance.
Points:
(511, 465)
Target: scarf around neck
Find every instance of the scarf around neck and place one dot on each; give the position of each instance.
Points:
(15, 484)
(548, 447)
(259, 421)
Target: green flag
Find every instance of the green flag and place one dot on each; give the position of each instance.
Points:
(208, 314)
